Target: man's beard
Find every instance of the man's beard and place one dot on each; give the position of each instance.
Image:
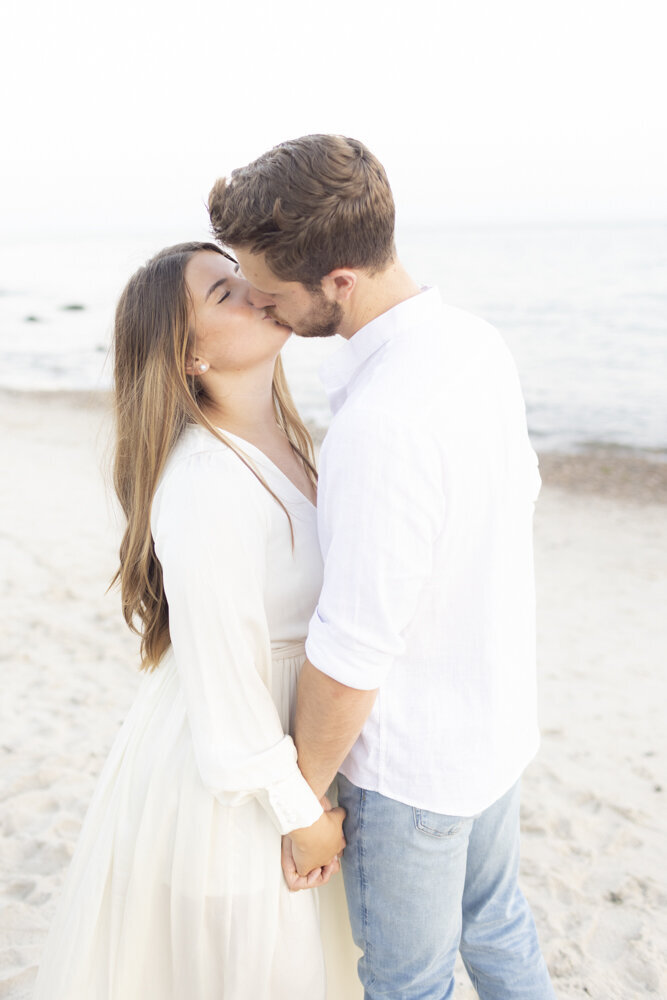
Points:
(323, 319)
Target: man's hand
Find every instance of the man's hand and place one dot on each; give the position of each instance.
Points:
(315, 846)
(318, 876)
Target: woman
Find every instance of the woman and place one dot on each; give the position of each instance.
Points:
(176, 889)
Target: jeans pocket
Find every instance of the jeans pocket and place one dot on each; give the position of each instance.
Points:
(438, 825)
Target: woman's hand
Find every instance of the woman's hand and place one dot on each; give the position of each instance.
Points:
(316, 845)
(319, 845)
(318, 874)
(318, 877)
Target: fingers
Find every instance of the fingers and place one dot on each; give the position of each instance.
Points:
(318, 877)
(294, 881)
(314, 878)
(298, 884)
(340, 815)
(309, 880)
(331, 869)
(287, 857)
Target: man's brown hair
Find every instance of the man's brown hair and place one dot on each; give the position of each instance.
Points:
(310, 205)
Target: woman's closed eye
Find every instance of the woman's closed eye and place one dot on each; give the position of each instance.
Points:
(226, 295)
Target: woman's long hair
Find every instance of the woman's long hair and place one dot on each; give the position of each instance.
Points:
(154, 400)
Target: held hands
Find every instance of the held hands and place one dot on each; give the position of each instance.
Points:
(310, 856)
(318, 877)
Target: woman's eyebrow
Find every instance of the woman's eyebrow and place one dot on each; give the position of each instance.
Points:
(214, 286)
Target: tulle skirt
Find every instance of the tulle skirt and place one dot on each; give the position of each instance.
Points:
(172, 895)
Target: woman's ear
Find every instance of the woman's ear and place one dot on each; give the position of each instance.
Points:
(196, 366)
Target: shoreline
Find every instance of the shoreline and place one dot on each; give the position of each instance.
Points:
(592, 803)
(611, 471)
(632, 477)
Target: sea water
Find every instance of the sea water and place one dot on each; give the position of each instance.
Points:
(583, 309)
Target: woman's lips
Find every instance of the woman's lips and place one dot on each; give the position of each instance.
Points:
(277, 322)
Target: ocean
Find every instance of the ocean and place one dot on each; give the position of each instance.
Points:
(583, 309)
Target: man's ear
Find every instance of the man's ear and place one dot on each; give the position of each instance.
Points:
(339, 283)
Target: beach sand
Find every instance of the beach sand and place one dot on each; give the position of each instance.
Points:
(594, 816)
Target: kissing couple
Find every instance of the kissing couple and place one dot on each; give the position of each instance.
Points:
(339, 667)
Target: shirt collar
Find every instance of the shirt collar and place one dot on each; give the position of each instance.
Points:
(338, 370)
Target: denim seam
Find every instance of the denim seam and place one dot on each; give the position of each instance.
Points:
(364, 883)
(429, 831)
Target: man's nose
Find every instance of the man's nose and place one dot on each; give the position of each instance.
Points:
(258, 299)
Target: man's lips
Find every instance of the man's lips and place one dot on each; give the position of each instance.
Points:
(277, 322)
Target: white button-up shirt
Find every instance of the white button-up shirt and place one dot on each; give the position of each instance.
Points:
(425, 505)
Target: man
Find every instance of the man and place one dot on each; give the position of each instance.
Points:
(420, 681)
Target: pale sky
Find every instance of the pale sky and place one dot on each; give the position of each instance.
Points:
(120, 116)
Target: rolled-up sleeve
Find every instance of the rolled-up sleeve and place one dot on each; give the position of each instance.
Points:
(380, 509)
(210, 532)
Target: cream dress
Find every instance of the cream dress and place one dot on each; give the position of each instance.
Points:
(175, 891)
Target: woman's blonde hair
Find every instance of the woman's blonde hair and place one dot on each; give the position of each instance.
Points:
(154, 400)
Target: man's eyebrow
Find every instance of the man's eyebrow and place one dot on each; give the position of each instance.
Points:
(214, 286)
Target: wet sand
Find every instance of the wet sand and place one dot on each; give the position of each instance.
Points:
(593, 814)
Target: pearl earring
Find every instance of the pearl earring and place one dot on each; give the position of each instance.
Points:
(202, 368)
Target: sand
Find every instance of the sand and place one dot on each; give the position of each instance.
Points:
(594, 816)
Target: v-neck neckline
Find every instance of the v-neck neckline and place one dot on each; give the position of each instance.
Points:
(263, 457)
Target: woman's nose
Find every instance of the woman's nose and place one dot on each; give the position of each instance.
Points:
(258, 299)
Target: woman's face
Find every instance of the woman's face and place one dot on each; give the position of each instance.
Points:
(230, 334)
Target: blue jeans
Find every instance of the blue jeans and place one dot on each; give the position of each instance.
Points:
(421, 886)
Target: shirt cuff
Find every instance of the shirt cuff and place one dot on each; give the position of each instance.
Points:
(292, 803)
(274, 778)
(343, 659)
